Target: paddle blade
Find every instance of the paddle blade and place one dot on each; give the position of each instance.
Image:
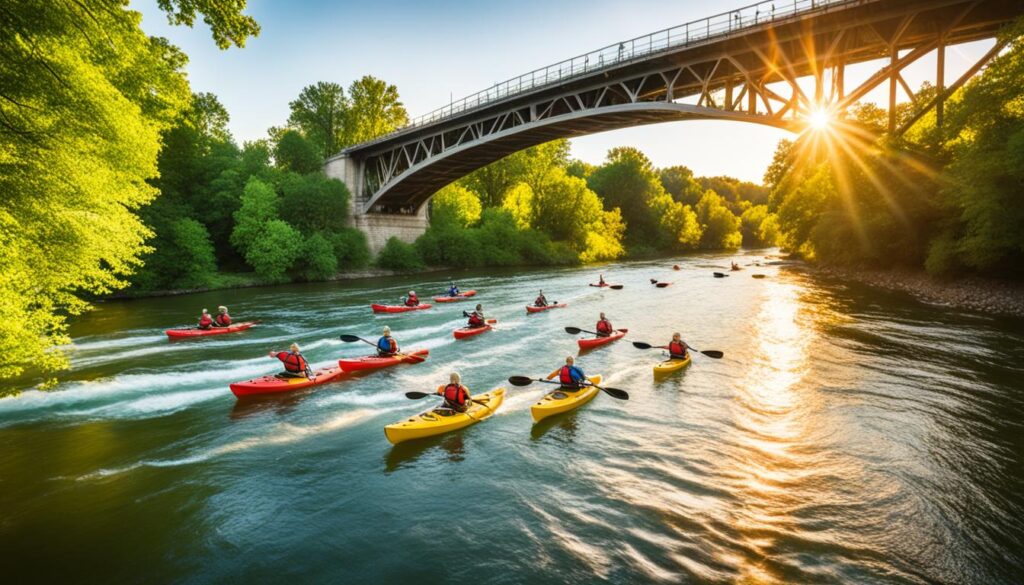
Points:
(573, 330)
(349, 338)
(615, 286)
(642, 345)
(713, 353)
(417, 395)
(616, 393)
(520, 381)
(654, 281)
(662, 284)
(492, 321)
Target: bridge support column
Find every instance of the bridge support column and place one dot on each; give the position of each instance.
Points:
(378, 227)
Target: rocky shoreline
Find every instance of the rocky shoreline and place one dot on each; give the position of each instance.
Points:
(984, 295)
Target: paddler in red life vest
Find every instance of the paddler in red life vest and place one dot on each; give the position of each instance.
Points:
(456, 396)
(476, 318)
(570, 376)
(604, 327)
(541, 301)
(295, 366)
(412, 300)
(223, 319)
(205, 320)
(386, 345)
(677, 348)
(600, 280)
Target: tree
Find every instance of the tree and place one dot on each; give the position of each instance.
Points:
(628, 181)
(529, 166)
(319, 113)
(720, 228)
(195, 258)
(318, 260)
(259, 207)
(374, 110)
(750, 226)
(227, 23)
(314, 202)
(294, 153)
(275, 250)
(397, 255)
(680, 183)
(456, 206)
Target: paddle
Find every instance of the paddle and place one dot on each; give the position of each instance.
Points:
(526, 381)
(720, 275)
(418, 395)
(615, 286)
(662, 284)
(577, 331)
(711, 353)
(403, 356)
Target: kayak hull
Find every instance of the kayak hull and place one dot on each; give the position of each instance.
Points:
(470, 331)
(398, 308)
(532, 309)
(372, 362)
(592, 342)
(671, 366)
(197, 332)
(431, 423)
(561, 401)
(275, 385)
(461, 296)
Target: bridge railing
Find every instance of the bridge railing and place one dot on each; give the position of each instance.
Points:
(684, 35)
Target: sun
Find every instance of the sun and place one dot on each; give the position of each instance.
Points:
(819, 119)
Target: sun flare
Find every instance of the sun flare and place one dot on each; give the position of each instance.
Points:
(819, 119)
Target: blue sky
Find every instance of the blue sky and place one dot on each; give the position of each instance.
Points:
(433, 50)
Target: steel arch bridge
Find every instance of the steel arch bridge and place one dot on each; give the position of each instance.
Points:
(743, 65)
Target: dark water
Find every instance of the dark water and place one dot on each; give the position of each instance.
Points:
(848, 436)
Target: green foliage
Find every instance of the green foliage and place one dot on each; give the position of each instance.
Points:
(530, 166)
(350, 248)
(227, 23)
(374, 110)
(455, 206)
(275, 251)
(258, 208)
(319, 114)
(195, 259)
(720, 227)
(628, 182)
(296, 154)
(318, 261)
(397, 255)
(680, 183)
(751, 223)
(314, 202)
(678, 223)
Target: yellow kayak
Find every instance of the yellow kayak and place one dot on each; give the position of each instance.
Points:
(561, 401)
(668, 366)
(438, 421)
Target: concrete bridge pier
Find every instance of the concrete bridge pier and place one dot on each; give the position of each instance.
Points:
(378, 227)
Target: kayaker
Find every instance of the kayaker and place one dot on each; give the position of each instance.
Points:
(570, 375)
(735, 266)
(223, 319)
(456, 396)
(677, 348)
(600, 280)
(541, 301)
(412, 300)
(604, 327)
(476, 318)
(295, 366)
(386, 345)
(205, 320)
(453, 290)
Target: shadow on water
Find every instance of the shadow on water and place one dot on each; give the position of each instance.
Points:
(566, 423)
(280, 404)
(406, 454)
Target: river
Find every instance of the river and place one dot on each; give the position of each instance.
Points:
(849, 435)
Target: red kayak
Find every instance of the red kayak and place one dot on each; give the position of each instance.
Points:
(457, 297)
(470, 331)
(600, 285)
(372, 362)
(592, 342)
(398, 308)
(197, 332)
(533, 309)
(274, 385)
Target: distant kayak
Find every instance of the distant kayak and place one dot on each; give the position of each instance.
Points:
(274, 385)
(592, 342)
(373, 362)
(720, 275)
(562, 400)
(470, 331)
(676, 267)
(615, 286)
(533, 309)
(662, 284)
(757, 275)
(399, 308)
(439, 421)
(197, 332)
(458, 297)
(668, 366)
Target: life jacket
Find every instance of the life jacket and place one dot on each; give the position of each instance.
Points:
(475, 320)
(412, 301)
(565, 376)
(387, 345)
(293, 362)
(677, 348)
(205, 322)
(224, 320)
(453, 291)
(541, 302)
(605, 327)
(456, 394)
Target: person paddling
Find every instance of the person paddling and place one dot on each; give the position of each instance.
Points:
(411, 300)
(735, 266)
(600, 280)
(387, 346)
(570, 375)
(453, 290)
(604, 327)
(205, 320)
(541, 301)
(295, 365)
(456, 396)
(223, 319)
(476, 318)
(677, 348)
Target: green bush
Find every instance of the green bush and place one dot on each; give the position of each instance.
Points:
(294, 153)
(350, 248)
(318, 261)
(275, 251)
(259, 206)
(397, 255)
(314, 202)
(195, 257)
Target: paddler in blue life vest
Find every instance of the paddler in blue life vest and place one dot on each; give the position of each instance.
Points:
(456, 396)
(295, 365)
(570, 375)
(386, 345)
(453, 290)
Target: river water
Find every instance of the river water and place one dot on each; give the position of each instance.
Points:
(848, 435)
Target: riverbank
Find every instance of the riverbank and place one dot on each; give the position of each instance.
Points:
(984, 295)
